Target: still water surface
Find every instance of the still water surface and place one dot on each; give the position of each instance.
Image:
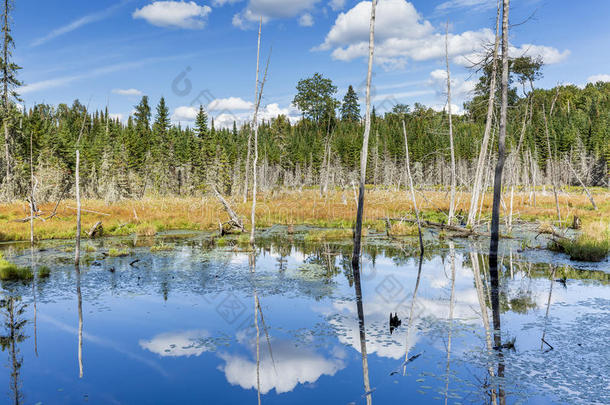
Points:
(219, 325)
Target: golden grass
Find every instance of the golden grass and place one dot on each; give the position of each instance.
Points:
(148, 216)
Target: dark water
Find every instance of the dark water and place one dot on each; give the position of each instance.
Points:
(202, 325)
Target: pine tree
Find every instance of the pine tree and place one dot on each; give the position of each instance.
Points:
(140, 139)
(350, 109)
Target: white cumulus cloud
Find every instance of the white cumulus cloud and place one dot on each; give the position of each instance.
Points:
(177, 14)
(403, 35)
(230, 104)
(185, 113)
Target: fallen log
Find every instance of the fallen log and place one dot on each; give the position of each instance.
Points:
(96, 230)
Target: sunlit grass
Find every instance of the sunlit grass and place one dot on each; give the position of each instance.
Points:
(149, 216)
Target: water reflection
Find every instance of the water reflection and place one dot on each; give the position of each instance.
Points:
(313, 328)
(14, 323)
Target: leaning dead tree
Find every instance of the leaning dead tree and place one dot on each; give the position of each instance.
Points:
(478, 179)
(495, 216)
(365, 144)
(234, 219)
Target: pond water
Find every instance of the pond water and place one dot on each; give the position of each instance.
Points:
(202, 324)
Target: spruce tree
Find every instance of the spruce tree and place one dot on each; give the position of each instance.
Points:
(201, 123)
(9, 83)
(350, 109)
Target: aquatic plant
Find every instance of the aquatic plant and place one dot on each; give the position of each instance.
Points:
(11, 272)
(44, 272)
(161, 247)
(113, 252)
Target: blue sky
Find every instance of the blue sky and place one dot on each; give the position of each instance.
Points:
(204, 51)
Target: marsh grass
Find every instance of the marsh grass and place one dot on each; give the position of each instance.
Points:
(155, 215)
(11, 272)
(329, 234)
(593, 245)
(114, 252)
(44, 272)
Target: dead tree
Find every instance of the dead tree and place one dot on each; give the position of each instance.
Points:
(365, 143)
(77, 185)
(259, 96)
(258, 53)
(453, 174)
(495, 215)
(234, 220)
(421, 241)
(476, 189)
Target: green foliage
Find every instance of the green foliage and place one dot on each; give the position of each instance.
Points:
(315, 97)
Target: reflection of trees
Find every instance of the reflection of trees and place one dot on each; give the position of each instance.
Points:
(14, 324)
(451, 301)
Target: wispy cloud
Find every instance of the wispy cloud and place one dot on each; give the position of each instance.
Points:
(88, 19)
(65, 80)
(127, 92)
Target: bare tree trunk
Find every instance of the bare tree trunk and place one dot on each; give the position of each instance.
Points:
(77, 185)
(32, 201)
(421, 241)
(78, 210)
(259, 95)
(453, 174)
(365, 143)
(258, 53)
(495, 216)
(476, 190)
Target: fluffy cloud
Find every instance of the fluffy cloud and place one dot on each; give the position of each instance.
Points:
(178, 14)
(548, 54)
(306, 20)
(181, 344)
(598, 78)
(294, 365)
(271, 9)
(127, 92)
(225, 111)
(185, 113)
(230, 104)
(403, 35)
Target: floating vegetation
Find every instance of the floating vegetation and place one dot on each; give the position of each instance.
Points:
(44, 272)
(161, 247)
(584, 248)
(114, 252)
(328, 235)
